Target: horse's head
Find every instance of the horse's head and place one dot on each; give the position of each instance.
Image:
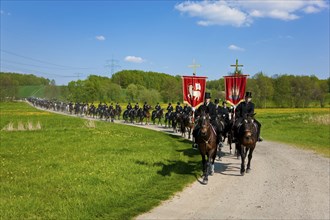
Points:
(204, 123)
(248, 130)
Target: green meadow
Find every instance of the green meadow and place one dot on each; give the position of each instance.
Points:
(306, 128)
(60, 167)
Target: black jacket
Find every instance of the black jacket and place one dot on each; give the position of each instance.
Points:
(210, 109)
(244, 108)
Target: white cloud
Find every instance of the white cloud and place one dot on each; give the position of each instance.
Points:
(234, 47)
(100, 38)
(134, 59)
(243, 13)
(214, 13)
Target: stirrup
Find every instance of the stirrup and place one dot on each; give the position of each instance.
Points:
(195, 146)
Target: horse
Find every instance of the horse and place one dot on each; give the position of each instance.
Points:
(157, 115)
(111, 114)
(246, 141)
(146, 114)
(206, 141)
(139, 115)
(168, 119)
(175, 119)
(126, 115)
(187, 124)
(118, 112)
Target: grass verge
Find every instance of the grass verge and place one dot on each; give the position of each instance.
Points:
(70, 170)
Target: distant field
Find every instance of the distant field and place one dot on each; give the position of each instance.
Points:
(60, 167)
(308, 128)
(28, 91)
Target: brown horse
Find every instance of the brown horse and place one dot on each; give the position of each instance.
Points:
(246, 141)
(147, 114)
(187, 124)
(206, 141)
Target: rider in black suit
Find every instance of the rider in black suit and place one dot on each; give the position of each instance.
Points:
(243, 108)
(209, 108)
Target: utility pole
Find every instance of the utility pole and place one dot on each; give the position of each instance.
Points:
(112, 64)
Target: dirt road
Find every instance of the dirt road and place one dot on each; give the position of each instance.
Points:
(285, 183)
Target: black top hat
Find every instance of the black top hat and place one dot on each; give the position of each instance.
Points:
(207, 95)
(248, 94)
(216, 101)
(178, 103)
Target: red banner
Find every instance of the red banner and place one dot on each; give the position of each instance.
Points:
(235, 88)
(193, 90)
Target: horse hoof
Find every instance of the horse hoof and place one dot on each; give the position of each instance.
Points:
(204, 182)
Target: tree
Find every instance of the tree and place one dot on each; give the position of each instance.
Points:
(282, 94)
(264, 87)
(132, 92)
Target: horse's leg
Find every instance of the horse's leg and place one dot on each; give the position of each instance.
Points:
(243, 155)
(248, 169)
(205, 172)
(211, 161)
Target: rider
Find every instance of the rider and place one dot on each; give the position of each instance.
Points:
(178, 108)
(118, 106)
(217, 107)
(111, 106)
(169, 108)
(224, 111)
(187, 109)
(243, 108)
(145, 108)
(207, 107)
(136, 107)
(129, 106)
(157, 107)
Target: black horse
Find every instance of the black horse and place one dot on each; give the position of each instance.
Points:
(140, 115)
(157, 115)
(206, 141)
(246, 141)
(118, 112)
(129, 115)
(168, 119)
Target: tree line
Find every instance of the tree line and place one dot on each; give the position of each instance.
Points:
(152, 87)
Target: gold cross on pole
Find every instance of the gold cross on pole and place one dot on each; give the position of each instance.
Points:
(194, 66)
(236, 66)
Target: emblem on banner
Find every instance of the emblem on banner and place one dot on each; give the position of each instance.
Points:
(194, 91)
(234, 93)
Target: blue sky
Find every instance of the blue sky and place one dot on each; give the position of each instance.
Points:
(67, 40)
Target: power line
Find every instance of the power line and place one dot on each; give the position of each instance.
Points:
(31, 71)
(25, 64)
(41, 61)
